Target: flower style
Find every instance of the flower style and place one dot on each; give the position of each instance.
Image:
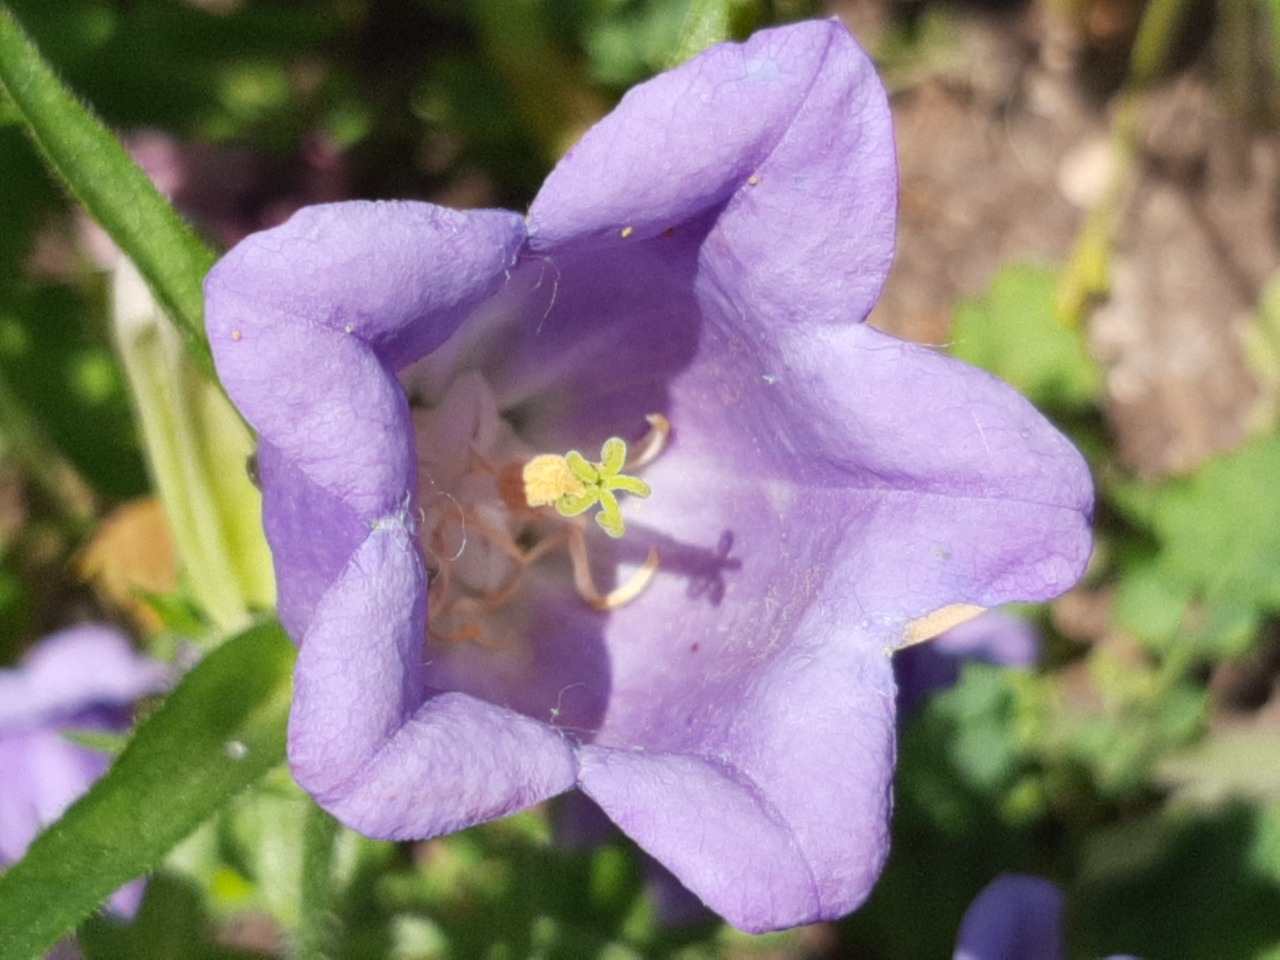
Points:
(82, 678)
(718, 679)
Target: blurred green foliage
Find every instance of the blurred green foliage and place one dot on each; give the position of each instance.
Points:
(1212, 577)
(221, 731)
(1012, 331)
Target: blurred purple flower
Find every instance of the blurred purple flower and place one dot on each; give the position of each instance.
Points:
(229, 191)
(1015, 917)
(995, 637)
(708, 253)
(82, 678)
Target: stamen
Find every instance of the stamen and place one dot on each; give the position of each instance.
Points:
(459, 603)
(652, 443)
(548, 478)
(619, 596)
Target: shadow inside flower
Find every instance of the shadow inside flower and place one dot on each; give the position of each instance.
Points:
(704, 567)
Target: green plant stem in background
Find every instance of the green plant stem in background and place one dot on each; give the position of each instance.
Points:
(197, 447)
(709, 22)
(222, 729)
(1087, 277)
(547, 85)
(1157, 37)
(316, 921)
(53, 474)
(116, 192)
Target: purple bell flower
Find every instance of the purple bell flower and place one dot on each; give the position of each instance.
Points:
(1016, 916)
(81, 678)
(781, 490)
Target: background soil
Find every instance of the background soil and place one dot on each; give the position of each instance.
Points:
(1004, 150)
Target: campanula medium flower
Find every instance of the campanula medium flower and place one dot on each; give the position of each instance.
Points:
(1015, 917)
(623, 494)
(82, 678)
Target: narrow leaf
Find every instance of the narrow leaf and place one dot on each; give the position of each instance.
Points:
(221, 730)
(101, 175)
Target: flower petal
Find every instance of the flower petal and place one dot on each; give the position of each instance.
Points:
(580, 347)
(1014, 917)
(44, 773)
(872, 478)
(787, 138)
(911, 480)
(308, 323)
(706, 252)
(375, 746)
(995, 637)
(84, 677)
(312, 534)
(346, 293)
(801, 764)
(399, 275)
(964, 493)
(860, 484)
(72, 671)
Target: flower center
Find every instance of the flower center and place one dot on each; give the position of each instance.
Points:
(491, 508)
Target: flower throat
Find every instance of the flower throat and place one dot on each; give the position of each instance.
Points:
(491, 508)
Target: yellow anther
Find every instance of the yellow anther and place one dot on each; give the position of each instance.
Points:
(547, 478)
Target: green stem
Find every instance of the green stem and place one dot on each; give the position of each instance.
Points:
(40, 460)
(1087, 277)
(99, 173)
(316, 921)
(709, 22)
(1157, 31)
(196, 446)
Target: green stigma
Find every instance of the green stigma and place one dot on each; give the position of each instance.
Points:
(573, 484)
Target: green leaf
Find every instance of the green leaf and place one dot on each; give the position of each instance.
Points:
(1149, 603)
(1013, 332)
(317, 923)
(1219, 550)
(1157, 39)
(220, 730)
(1179, 884)
(101, 175)
(1262, 351)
